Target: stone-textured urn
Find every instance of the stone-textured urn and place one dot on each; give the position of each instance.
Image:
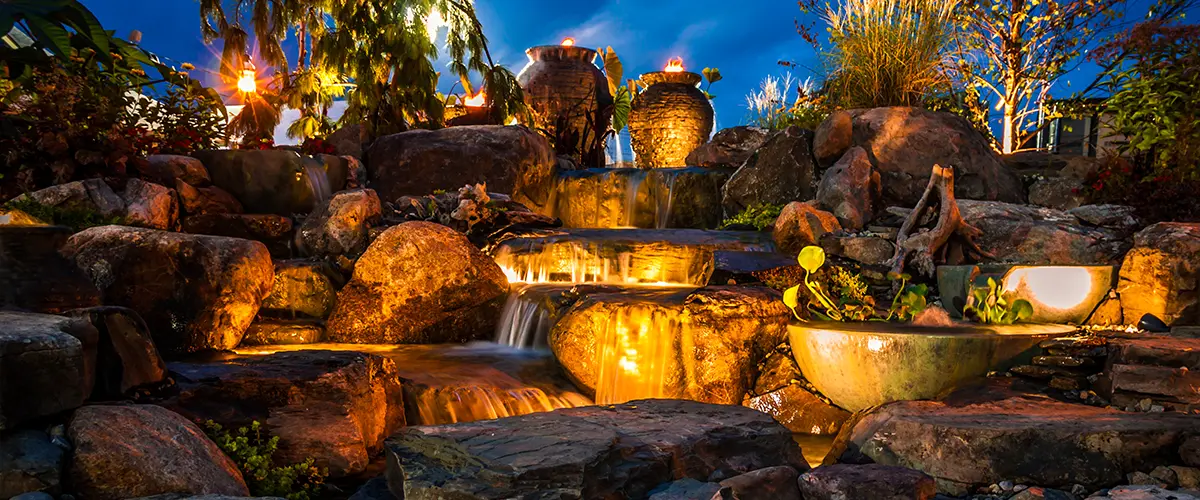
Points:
(669, 119)
(569, 99)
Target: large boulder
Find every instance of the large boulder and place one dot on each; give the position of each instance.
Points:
(1027, 440)
(274, 181)
(1059, 193)
(510, 159)
(91, 195)
(348, 140)
(1161, 274)
(336, 407)
(274, 231)
(126, 357)
(621, 451)
(34, 277)
(850, 189)
(780, 172)
(904, 144)
(149, 205)
(166, 169)
(800, 410)
(44, 366)
(141, 450)
(801, 224)
(29, 462)
(195, 292)
(703, 345)
(339, 226)
(1021, 234)
(419, 282)
(729, 147)
(206, 200)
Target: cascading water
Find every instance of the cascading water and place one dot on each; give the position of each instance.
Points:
(635, 354)
(637, 198)
(526, 319)
(318, 183)
(663, 198)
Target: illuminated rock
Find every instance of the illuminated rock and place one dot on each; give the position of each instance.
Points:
(1027, 440)
(138, 450)
(729, 148)
(283, 332)
(307, 288)
(591, 452)
(339, 226)
(44, 366)
(507, 159)
(1021, 234)
(1161, 274)
(779, 172)
(850, 190)
(801, 224)
(334, 407)
(870, 250)
(672, 343)
(800, 410)
(274, 181)
(195, 292)
(903, 143)
(149, 205)
(778, 483)
(206, 200)
(419, 282)
(166, 169)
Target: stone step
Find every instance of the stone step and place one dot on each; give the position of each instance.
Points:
(619, 451)
(1026, 439)
(1180, 384)
(1156, 351)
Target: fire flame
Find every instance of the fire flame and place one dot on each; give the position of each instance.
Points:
(568, 42)
(674, 65)
(247, 82)
(476, 101)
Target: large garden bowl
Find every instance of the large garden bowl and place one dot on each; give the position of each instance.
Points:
(859, 365)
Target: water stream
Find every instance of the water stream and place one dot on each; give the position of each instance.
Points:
(318, 183)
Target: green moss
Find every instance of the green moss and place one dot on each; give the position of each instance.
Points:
(252, 451)
(759, 217)
(75, 218)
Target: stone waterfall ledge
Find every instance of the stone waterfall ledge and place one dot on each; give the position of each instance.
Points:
(631, 197)
(591, 452)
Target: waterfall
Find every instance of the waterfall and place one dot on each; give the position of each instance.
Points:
(636, 354)
(632, 186)
(318, 183)
(662, 204)
(526, 320)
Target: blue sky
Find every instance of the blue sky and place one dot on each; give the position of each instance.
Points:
(744, 38)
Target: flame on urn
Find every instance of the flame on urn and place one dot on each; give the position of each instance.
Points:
(568, 42)
(674, 65)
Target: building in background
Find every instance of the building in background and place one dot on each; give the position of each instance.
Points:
(1077, 127)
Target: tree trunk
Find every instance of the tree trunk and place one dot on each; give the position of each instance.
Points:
(1009, 133)
(301, 36)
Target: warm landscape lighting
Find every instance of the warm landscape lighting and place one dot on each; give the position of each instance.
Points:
(1054, 287)
(568, 42)
(674, 65)
(476, 101)
(247, 83)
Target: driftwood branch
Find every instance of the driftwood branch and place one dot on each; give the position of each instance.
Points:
(919, 249)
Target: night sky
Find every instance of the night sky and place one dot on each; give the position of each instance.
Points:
(744, 38)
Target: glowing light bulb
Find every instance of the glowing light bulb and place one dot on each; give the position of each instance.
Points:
(478, 100)
(247, 82)
(568, 42)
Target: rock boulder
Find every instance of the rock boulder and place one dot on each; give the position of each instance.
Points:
(165, 169)
(729, 148)
(302, 287)
(195, 292)
(273, 181)
(44, 366)
(339, 226)
(29, 462)
(1161, 274)
(801, 224)
(419, 282)
(141, 450)
(877, 482)
(335, 407)
(779, 172)
(35, 277)
(850, 189)
(126, 357)
(621, 451)
(1022, 234)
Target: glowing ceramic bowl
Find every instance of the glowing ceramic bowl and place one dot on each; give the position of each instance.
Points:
(1059, 294)
(859, 365)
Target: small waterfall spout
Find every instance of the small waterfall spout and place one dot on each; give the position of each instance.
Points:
(636, 354)
(526, 319)
(318, 183)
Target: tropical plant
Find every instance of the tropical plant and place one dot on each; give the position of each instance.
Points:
(621, 91)
(759, 217)
(257, 120)
(853, 303)
(711, 76)
(386, 48)
(1015, 51)
(887, 52)
(987, 305)
(58, 28)
(253, 452)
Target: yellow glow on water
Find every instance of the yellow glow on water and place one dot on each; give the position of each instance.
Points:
(634, 355)
(1052, 287)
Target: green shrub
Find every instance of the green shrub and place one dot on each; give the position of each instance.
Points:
(75, 218)
(252, 452)
(842, 295)
(770, 107)
(887, 52)
(759, 217)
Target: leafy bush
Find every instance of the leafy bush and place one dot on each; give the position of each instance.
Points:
(757, 216)
(253, 452)
(852, 303)
(887, 52)
(75, 218)
(987, 305)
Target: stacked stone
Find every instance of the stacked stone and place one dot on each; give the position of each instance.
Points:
(1152, 374)
(1068, 363)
